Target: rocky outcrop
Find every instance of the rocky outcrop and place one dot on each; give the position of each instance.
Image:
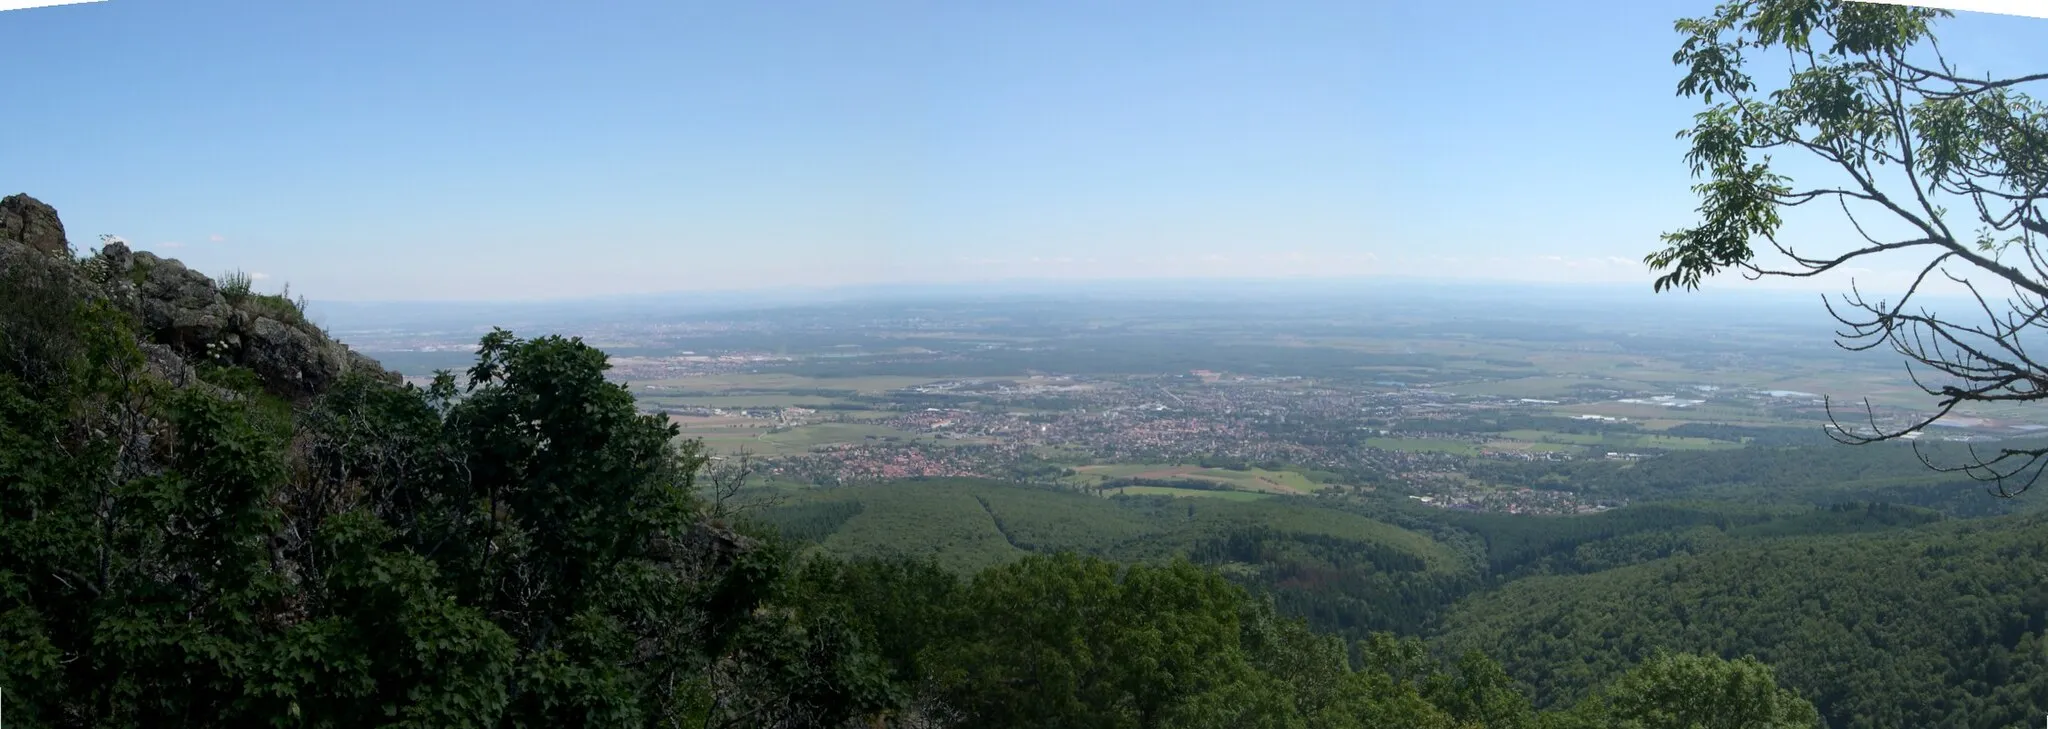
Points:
(179, 306)
(184, 317)
(30, 222)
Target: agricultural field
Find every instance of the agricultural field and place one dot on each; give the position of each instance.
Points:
(771, 382)
(806, 437)
(1423, 445)
(722, 432)
(1196, 493)
(1517, 446)
(732, 433)
(1543, 386)
(1641, 441)
(1251, 479)
(735, 402)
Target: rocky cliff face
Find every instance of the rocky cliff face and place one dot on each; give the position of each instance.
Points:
(27, 221)
(185, 317)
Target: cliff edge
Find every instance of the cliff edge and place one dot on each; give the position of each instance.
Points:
(183, 317)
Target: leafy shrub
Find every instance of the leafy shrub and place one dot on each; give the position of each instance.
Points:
(235, 286)
(238, 288)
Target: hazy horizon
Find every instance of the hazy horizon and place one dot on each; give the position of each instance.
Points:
(1361, 296)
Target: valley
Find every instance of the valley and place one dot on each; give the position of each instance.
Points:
(1435, 477)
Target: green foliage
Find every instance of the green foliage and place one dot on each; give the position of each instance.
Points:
(938, 519)
(1842, 103)
(235, 286)
(42, 305)
(1949, 615)
(170, 557)
(238, 288)
(812, 521)
(1346, 572)
(1793, 476)
(279, 306)
(1064, 642)
(1679, 691)
(1920, 158)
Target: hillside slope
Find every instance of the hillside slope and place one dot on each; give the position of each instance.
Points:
(1345, 571)
(1936, 626)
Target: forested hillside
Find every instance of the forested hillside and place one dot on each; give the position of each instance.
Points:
(1814, 474)
(1884, 614)
(1349, 573)
(1940, 626)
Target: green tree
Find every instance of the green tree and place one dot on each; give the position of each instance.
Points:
(1684, 691)
(524, 553)
(1066, 641)
(1919, 158)
(1476, 693)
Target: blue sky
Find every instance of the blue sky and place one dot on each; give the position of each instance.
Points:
(378, 149)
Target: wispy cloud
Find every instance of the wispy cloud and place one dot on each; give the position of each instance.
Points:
(217, 238)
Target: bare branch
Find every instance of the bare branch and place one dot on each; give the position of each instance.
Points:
(1965, 86)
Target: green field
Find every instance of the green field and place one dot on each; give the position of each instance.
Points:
(1170, 491)
(1107, 471)
(1619, 440)
(811, 436)
(1536, 386)
(1528, 447)
(753, 435)
(1251, 479)
(776, 382)
(735, 401)
(1423, 445)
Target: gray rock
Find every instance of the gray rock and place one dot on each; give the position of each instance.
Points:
(180, 307)
(164, 362)
(112, 269)
(185, 319)
(116, 257)
(292, 361)
(356, 362)
(33, 223)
